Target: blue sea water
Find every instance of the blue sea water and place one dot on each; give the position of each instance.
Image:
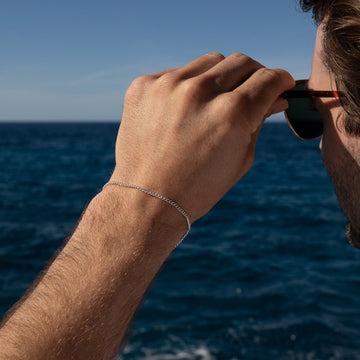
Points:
(267, 274)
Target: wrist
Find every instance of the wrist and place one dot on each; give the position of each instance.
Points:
(156, 196)
(154, 225)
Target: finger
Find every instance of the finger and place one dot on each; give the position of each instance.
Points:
(262, 92)
(234, 70)
(279, 105)
(200, 65)
(160, 73)
(195, 67)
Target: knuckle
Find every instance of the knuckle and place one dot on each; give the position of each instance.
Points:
(168, 78)
(166, 82)
(189, 88)
(197, 88)
(238, 55)
(216, 55)
(269, 75)
(141, 81)
(138, 86)
(243, 59)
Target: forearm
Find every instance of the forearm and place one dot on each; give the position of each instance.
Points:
(93, 288)
(188, 134)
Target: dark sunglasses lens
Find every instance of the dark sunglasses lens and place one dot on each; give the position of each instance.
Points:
(303, 118)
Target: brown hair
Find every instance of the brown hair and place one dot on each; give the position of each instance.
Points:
(342, 51)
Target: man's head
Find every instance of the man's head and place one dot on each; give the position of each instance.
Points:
(336, 66)
(341, 50)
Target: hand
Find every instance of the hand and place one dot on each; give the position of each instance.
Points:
(189, 133)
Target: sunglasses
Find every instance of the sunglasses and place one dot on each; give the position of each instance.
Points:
(303, 118)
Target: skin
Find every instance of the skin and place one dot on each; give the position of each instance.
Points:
(340, 151)
(188, 134)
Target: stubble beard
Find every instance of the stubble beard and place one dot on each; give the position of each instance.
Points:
(344, 177)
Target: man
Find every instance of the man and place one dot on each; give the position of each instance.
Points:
(335, 65)
(187, 134)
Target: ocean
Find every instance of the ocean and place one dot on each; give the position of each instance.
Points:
(267, 274)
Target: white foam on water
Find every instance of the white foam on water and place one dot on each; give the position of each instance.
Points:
(200, 353)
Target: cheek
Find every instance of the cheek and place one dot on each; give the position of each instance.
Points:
(332, 139)
(336, 144)
(341, 157)
(330, 142)
(333, 155)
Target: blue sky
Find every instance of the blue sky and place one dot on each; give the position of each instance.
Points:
(73, 60)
